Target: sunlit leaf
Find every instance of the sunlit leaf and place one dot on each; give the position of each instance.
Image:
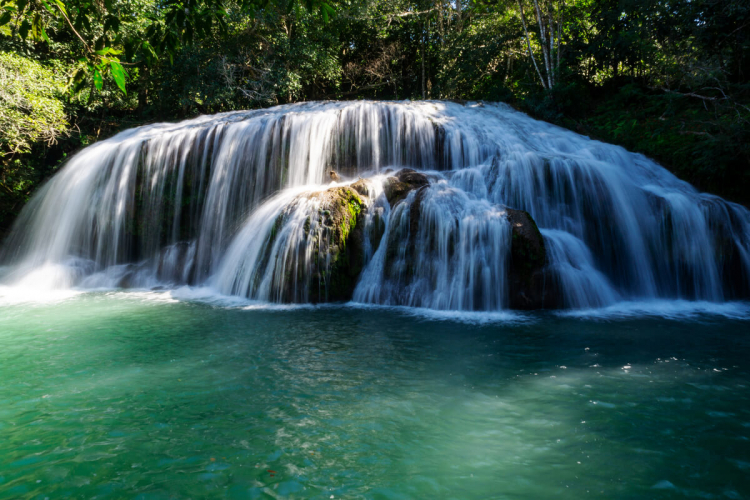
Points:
(61, 6)
(98, 80)
(118, 73)
(47, 6)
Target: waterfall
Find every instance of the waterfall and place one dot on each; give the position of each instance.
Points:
(243, 203)
(454, 258)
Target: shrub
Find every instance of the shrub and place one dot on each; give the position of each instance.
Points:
(31, 104)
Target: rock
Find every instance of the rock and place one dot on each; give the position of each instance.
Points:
(334, 176)
(336, 232)
(361, 187)
(728, 252)
(339, 249)
(530, 285)
(321, 254)
(376, 228)
(402, 239)
(398, 186)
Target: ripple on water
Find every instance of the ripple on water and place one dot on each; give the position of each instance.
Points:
(180, 398)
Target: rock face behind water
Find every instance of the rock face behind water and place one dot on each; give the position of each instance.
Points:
(324, 261)
(530, 285)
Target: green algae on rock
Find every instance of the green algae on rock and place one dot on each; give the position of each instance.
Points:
(339, 251)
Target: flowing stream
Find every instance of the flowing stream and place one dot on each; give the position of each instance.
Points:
(233, 202)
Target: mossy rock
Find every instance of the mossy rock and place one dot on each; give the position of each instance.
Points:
(339, 256)
(361, 187)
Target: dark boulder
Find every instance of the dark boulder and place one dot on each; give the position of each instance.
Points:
(398, 187)
(337, 228)
(530, 285)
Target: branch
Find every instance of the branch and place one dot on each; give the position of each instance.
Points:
(688, 94)
(392, 16)
(366, 87)
(71, 27)
(689, 132)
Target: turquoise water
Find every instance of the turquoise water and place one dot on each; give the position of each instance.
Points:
(115, 395)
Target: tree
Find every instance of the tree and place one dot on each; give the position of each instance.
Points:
(550, 22)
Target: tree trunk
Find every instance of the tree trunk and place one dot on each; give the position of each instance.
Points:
(559, 37)
(545, 48)
(528, 44)
(553, 69)
(423, 55)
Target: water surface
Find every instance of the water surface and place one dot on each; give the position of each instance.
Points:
(136, 395)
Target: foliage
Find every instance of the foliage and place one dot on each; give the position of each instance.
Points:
(668, 79)
(264, 62)
(31, 104)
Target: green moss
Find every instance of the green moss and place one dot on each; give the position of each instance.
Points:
(342, 250)
(275, 228)
(353, 207)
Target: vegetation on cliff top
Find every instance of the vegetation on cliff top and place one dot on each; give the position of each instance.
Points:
(666, 79)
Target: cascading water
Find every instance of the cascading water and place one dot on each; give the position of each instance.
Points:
(455, 258)
(242, 203)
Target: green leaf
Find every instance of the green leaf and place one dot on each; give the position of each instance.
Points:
(150, 49)
(47, 6)
(44, 34)
(105, 51)
(5, 19)
(328, 9)
(77, 80)
(24, 29)
(62, 6)
(98, 80)
(112, 23)
(118, 73)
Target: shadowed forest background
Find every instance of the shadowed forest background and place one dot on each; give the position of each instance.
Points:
(665, 78)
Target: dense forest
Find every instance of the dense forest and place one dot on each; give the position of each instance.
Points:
(668, 79)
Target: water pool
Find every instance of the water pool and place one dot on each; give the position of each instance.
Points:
(138, 395)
